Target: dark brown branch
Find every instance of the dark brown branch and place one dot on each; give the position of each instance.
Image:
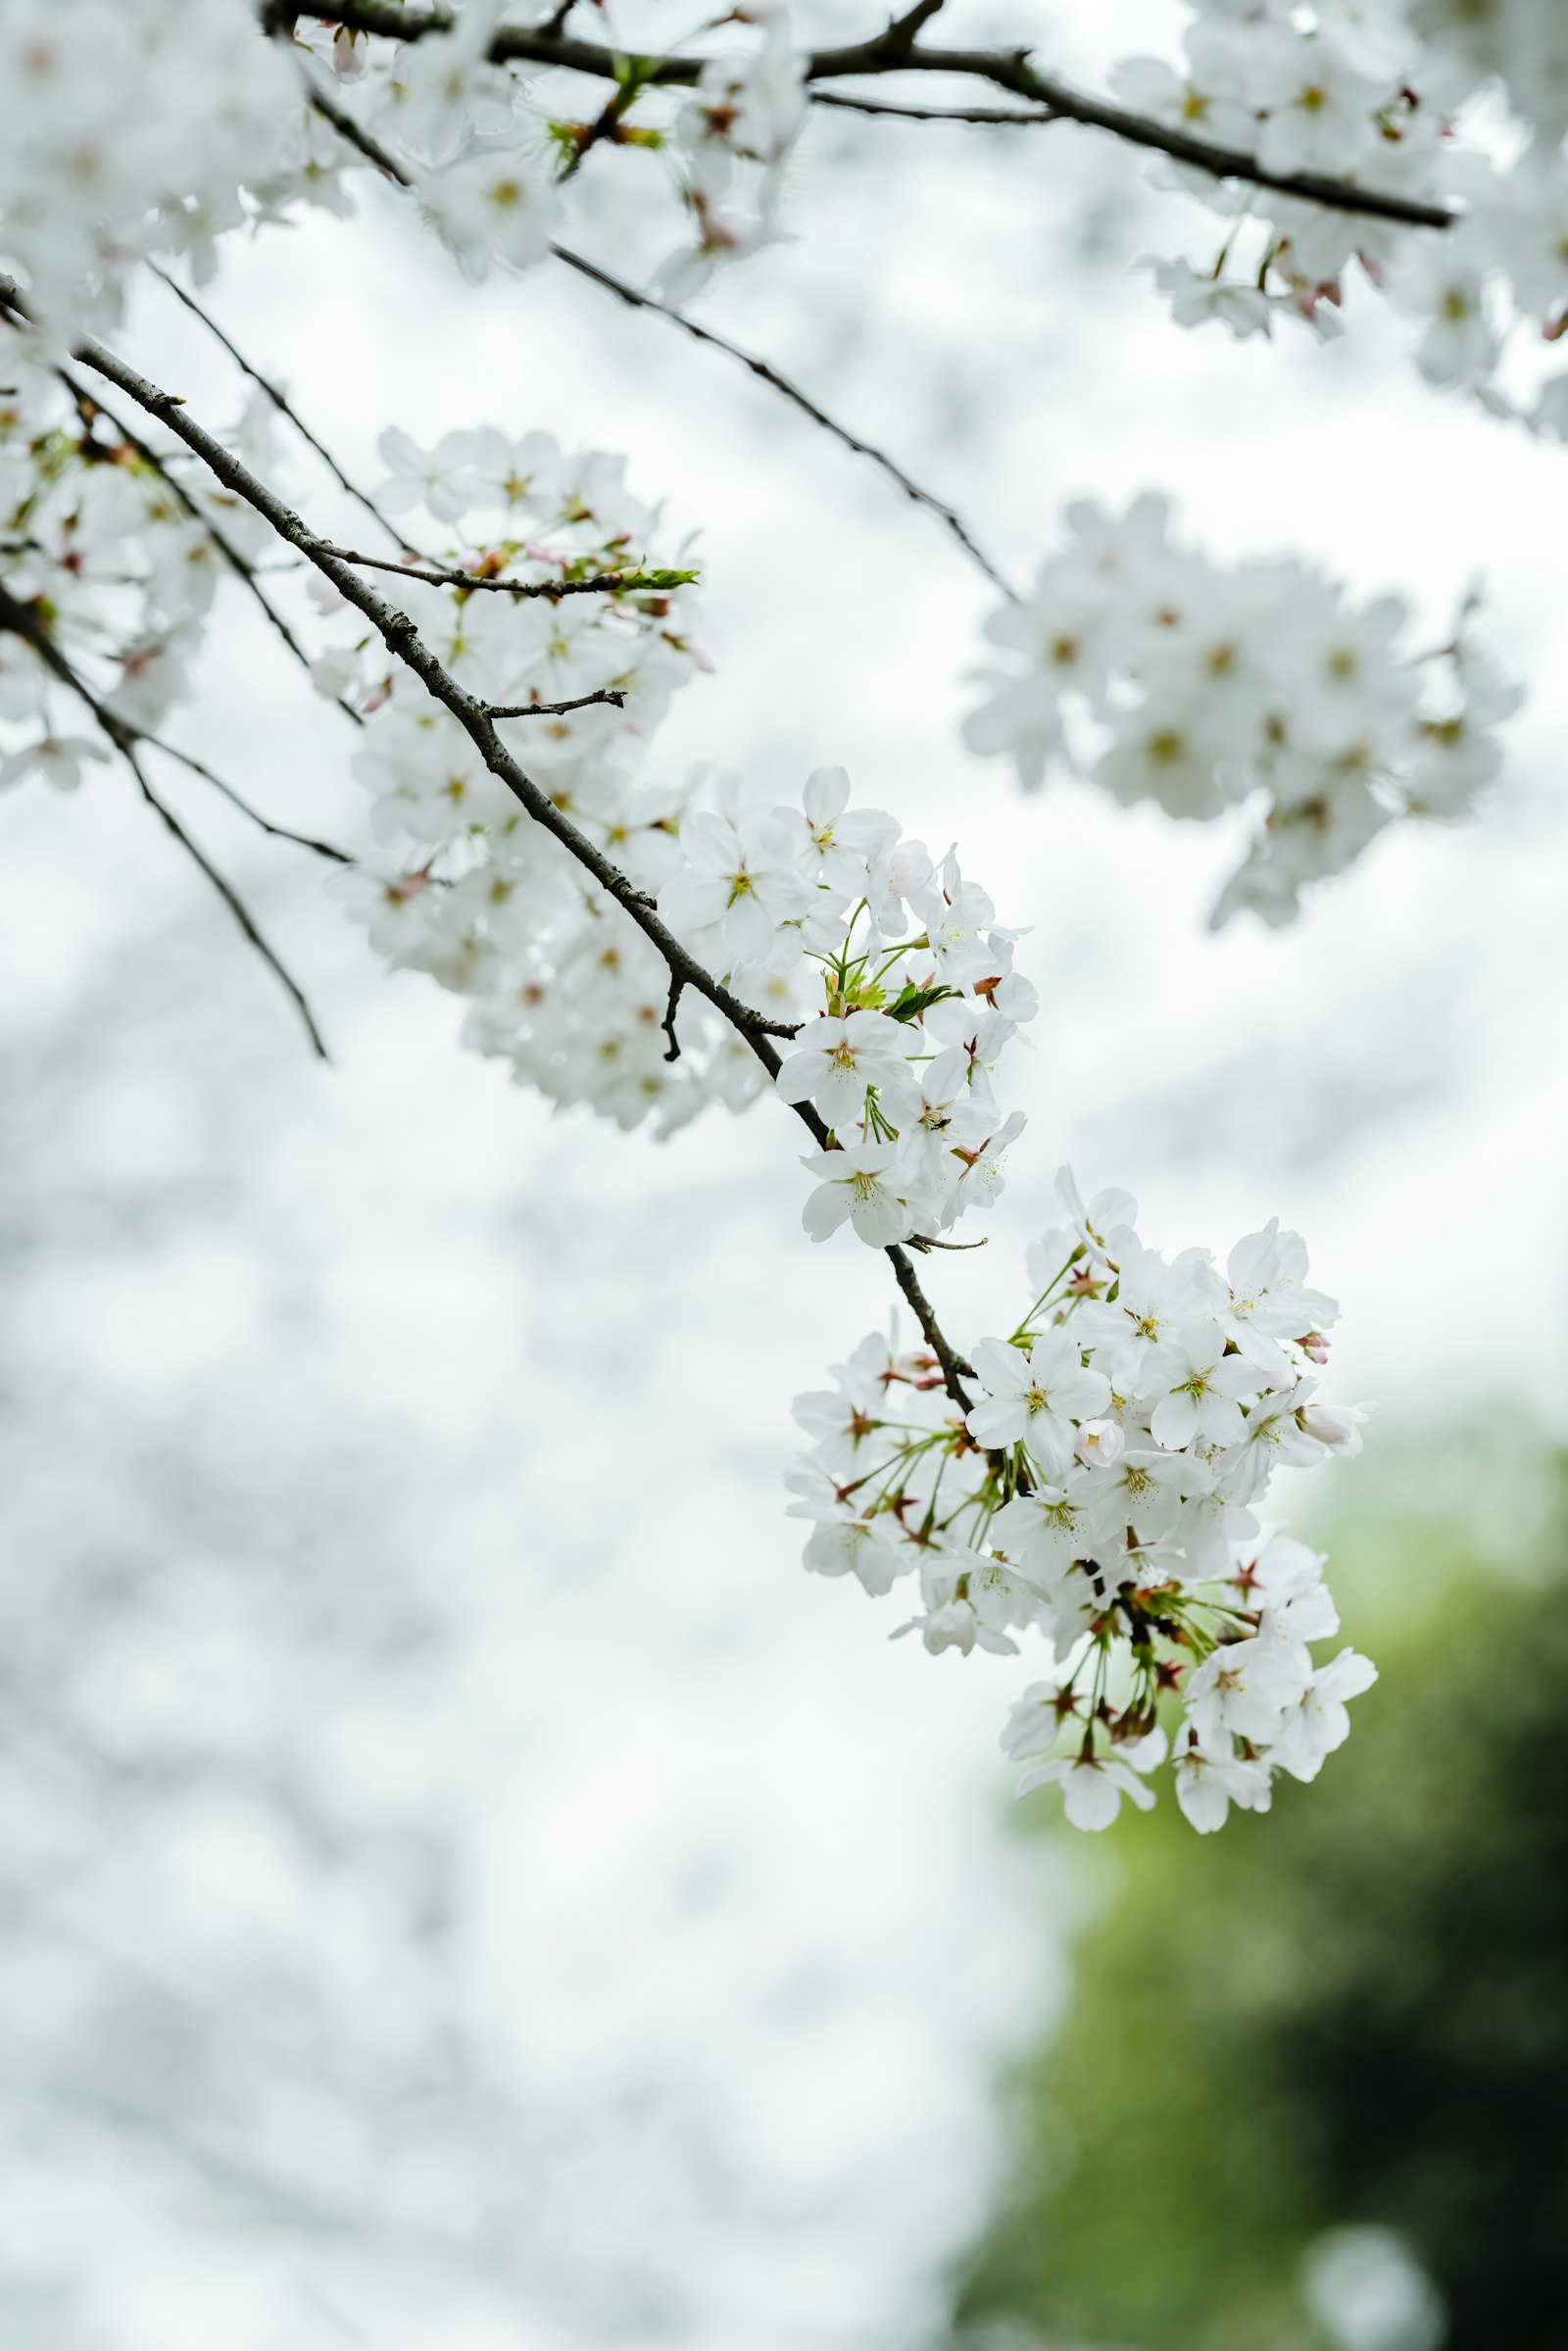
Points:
(766, 373)
(955, 1370)
(402, 640)
(676, 988)
(615, 696)
(630, 582)
(285, 408)
(894, 50)
(24, 622)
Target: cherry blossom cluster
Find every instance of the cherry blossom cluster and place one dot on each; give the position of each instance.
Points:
(488, 146)
(1102, 1495)
(909, 979)
(107, 556)
(1393, 98)
(142, 128)
(138, 128)
(463, 884)
(1138, 662)
(815, 913)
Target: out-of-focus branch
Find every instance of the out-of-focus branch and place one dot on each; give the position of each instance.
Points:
(285, 408)
(21, 622)
(263, 824)
(933, 114)
(767, 373)
(895, 49)
(402, 640)
(241, 566)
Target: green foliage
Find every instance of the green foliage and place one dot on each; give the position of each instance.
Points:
(1354, 2009)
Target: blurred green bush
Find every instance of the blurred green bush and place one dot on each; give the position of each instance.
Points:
(1351, 2011)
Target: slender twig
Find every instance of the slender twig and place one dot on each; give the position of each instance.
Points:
(676, 986)
(932, 113)
(126, 740)
(285, 408)
(231, 898)
(761, 368)
(402, 640)
(895, 49)
(630, 582)
(766, 373)
(615, 696)
(280, 832)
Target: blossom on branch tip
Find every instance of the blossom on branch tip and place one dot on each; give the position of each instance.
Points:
(1099, 1496)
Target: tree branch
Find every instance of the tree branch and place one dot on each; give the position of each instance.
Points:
(766, 373)
(23, 622)
(930, 113)
(402, 640)
(614, 695)
(286, 408)
(603, 583)
(895, 49)
(278, 832)
(231, 899)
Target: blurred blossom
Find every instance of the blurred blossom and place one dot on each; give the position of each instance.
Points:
(1367, 2289)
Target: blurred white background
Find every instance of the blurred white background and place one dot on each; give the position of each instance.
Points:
(462, 1884)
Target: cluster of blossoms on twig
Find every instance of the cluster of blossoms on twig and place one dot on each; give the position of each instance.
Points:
(814, 909)
(1165, 677)
(463, 885)
(1102, 1494)
(488, 145)
(635, 946)
(111, 557)
(1397, 98)
(138, 127)
(144, 128)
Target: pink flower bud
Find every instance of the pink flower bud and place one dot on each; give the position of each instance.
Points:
(1316, 1347)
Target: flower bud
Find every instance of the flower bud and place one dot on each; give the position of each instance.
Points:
(1101, 1443)
(1338, 1431)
